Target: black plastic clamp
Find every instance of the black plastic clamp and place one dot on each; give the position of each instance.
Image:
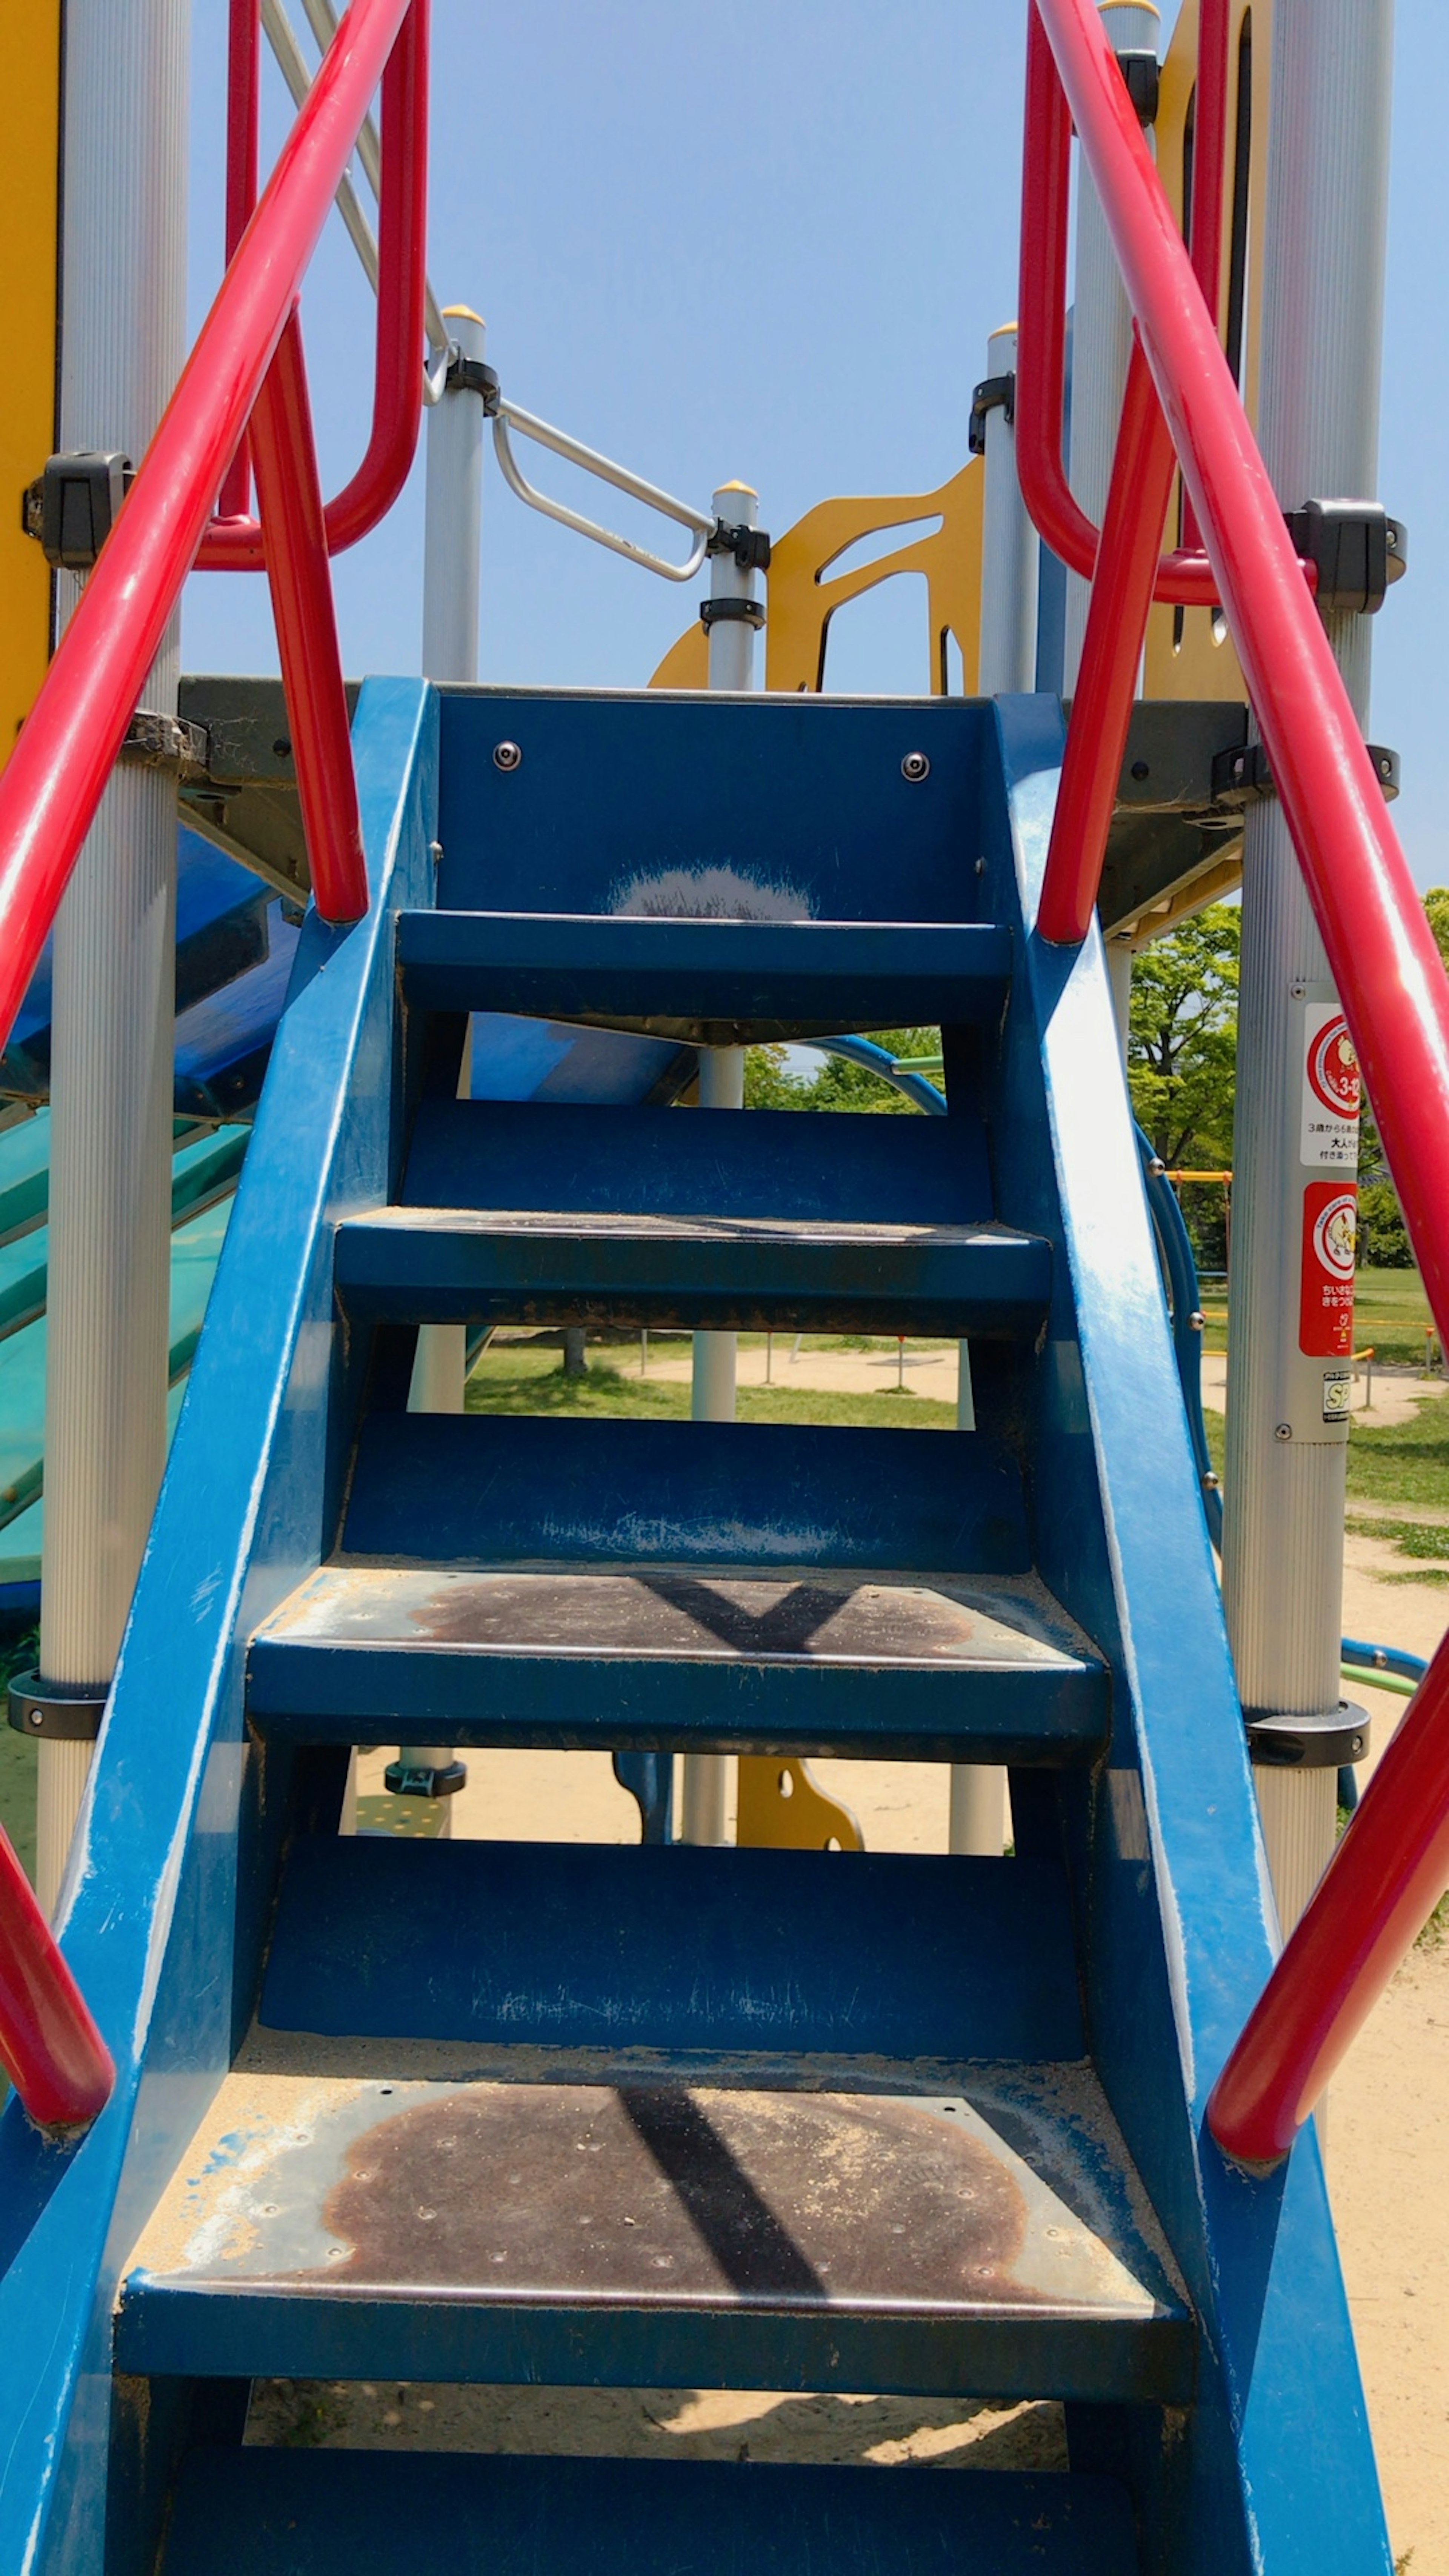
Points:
(749, 546)
(731, 612)
(1357, 549)
(155, 741)
(994, 393)
(1143, 74)
(424, 1780)
(1242, 777)
(471, 376)
(53, 1714)
(71, 506)
(1324, 1741)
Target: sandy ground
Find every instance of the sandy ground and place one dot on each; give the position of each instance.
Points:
(1390, 2117)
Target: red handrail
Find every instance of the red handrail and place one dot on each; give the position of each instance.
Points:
(243, 144)
(59, 2064)
(1185, 578)
(233, 542)
(1384, 962)
(57, 772)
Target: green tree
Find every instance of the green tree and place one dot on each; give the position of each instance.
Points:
(1183, 1039)
(838, 1084)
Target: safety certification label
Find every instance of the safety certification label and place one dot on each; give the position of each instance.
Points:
(1337, 1394)
(1325, 1304)
(1331, 1091)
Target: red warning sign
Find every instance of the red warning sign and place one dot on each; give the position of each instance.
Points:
(1325, 1306)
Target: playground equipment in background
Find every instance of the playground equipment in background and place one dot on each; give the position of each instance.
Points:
(271, 2187)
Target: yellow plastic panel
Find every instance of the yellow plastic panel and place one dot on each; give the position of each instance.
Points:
(29, 202)
(781, 1804)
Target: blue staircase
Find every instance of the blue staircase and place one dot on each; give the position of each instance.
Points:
(598, 2116)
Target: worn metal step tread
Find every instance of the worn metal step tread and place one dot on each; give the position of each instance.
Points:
(977, 2230)
(509, 1154)
(257, 2512)
(473, 1265)
(720, 982)
(723, 1658)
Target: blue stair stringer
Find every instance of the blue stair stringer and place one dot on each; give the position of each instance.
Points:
(1049, 2024)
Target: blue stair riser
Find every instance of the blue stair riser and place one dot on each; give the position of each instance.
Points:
(657, 1162)
(724, 982)
(992, 1285)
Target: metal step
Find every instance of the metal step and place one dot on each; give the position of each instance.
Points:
(675, 1948)
(710, 982)
(519, 1490)
(725, 1660)
(524, 1265)
(485, 1154)
(319, 2513)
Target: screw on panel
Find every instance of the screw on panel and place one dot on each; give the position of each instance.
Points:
(915, 767)
(506, 755)
(1283, 1431)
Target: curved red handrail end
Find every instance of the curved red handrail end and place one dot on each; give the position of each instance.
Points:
(56, 2057)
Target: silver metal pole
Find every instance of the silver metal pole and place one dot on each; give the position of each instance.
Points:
(1008, 663)
(1287, 1424)
(123, 301)
(1101, 338)
(721, 1086)
(452, 559)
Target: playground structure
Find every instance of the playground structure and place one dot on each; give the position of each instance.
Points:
(296, 2102)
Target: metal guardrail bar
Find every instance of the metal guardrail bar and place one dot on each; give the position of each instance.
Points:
(1392, 1864)
(59, 2064)
(574, 452)
(322, 19)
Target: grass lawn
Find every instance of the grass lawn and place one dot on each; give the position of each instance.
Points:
(521, 1377)
(1390, 1313)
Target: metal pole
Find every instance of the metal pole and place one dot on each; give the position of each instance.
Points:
(123, 301)
(1009, 557)
(721, 1086)
(1101, 338)
(1328, 167)
(452, 558)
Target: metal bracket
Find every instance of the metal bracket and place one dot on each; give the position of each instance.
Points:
(421, 1780)
(70, 509)
(1242, 777)
(1324, 1741)
(749, 546)
(992, 394)
(471, 376)
(155, 741)
(51, 1714)
(1142, 73)
(726, 612)
(1357, 549)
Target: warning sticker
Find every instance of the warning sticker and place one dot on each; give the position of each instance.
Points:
(1325, 1304)
(1331, 1091)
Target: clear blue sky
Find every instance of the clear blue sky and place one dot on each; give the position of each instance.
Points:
(766, 242)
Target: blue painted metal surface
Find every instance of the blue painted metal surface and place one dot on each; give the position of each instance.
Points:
(878, 1059)
(286, 2513)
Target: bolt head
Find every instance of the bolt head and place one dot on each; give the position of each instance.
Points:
(915, 767)
(506, 755)
(1283, 1431)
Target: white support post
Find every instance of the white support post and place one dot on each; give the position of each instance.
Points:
(1101, 338)
(721, 1086)
(124, 307)
(1287, 1424)
(452, 555)
(1008, 664)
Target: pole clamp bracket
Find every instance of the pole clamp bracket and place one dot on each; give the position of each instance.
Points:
(471, 376)
(1142, 73)
(731, 612)
(50, 1713)
(994, 393)
(749, 546)
(1357, 550)
(71, 507)
(1242, 777)
(423, 1780)
(1324, 1741)
(155, 741)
